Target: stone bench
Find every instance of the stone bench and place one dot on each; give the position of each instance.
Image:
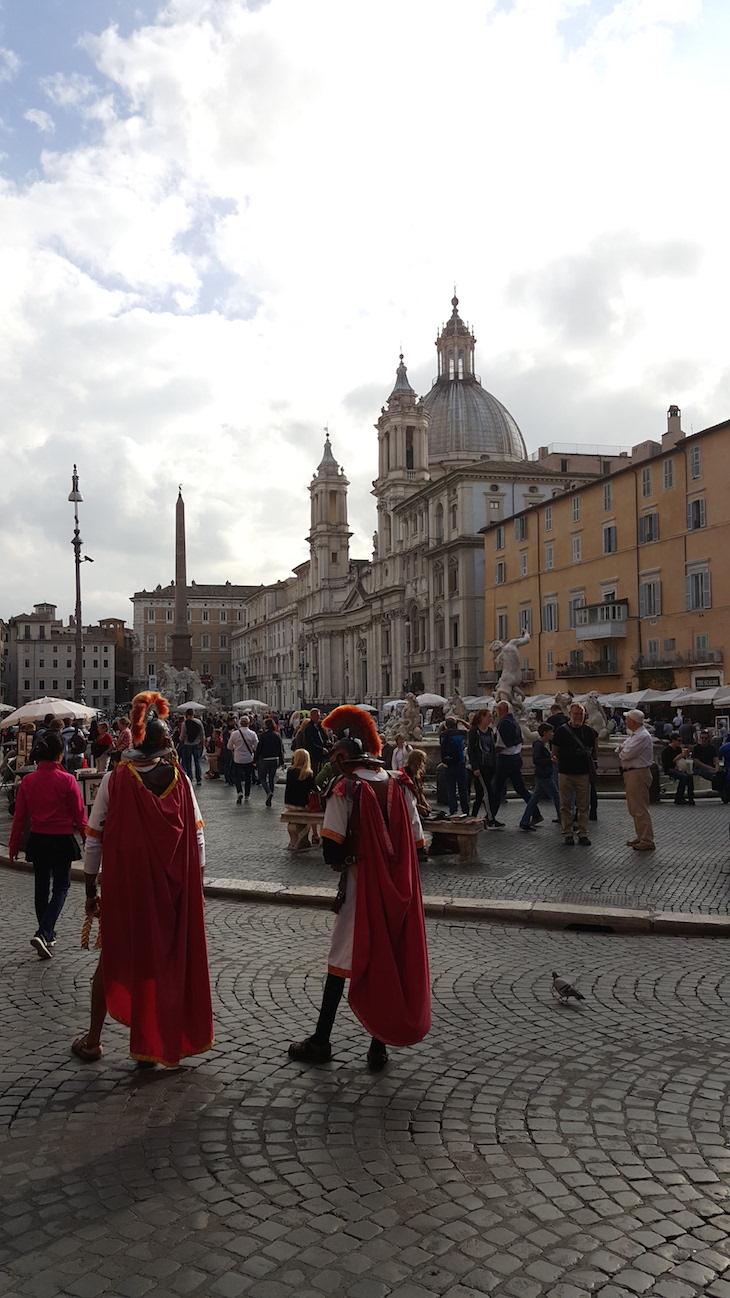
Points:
(299, 822)
(465, 832)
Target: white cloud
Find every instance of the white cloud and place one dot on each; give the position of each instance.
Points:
(9, 64)
(268, 200)
(41, 119)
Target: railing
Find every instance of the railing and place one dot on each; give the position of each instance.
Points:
(692, 658)
(613, 610)
(593, 667)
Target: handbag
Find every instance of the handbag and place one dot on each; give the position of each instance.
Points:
(314, 801)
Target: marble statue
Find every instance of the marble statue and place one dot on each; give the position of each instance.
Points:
(456, 707)
(409, 723)
(563, 701)
(184, 686)
(507, 659)
(595, 715)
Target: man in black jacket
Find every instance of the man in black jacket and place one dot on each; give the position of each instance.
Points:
(574, 747)
(508, 765)
(315, 741)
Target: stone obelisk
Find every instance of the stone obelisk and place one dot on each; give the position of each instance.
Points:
(182, 640)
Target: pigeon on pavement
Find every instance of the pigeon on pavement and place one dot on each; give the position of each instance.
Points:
(565, 990)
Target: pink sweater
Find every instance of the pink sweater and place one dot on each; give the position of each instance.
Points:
(52, 799)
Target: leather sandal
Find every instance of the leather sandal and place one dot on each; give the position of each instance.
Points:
(89, 1054)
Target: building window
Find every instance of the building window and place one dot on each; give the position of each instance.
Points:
(26, 685)
(499, 574)
(521, 529)
(578, 601)
(455, 633)
(525, 621)
(576, 657)
(151, 642)
(607, 495)
(170, 615)
(206, 615)
(69, 685)
(550, 616)
(576, 549)
(702, 646)
(41, 685)
(695, 462)
(150, 615)
(668, 474)
(205, 668)
(223, 616)
(54, 663)
(550, 665)
(501, 626)
(205, 641)
(648, 528)
(548, 518)
(549, 557)
(105, 685)
(609, 539)
(150, 669)
(696, 514)
(27, 662)
(106, 660)
(54, 685)
(650, 599)
(68, 662)
(605, 466)
(698, 590)
(438, 579)
(670, 645)
(523, 563)
(222, 641)
(499, 538)
(576, 509)
(224, 669)
(41, 662)
(95, 662)
(646, 480)
(95, 685)
(563, 466)
(453, 518)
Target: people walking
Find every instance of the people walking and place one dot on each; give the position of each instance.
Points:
(508, 764)
(453, 759)
(51, 798)
(102, 746)
(243, 743)
(153, 969)
(673, 754)
(574, 749)
(269, 757)
(191, 738)
(371, 833)
(636, 755)
(400, 753)
(481, 751)
(544, 786)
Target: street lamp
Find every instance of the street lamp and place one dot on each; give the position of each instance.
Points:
(76, 498)
(407, 681)
(303, 665)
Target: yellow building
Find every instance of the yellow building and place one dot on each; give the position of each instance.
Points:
(624, 583)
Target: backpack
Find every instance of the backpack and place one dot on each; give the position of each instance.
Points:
(450, 751)
(77, 743)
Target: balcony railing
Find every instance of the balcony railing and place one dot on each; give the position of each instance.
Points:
(693, 658)
(603, 621)
(592, 667)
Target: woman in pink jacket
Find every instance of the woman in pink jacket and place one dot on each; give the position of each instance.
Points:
(51, 798)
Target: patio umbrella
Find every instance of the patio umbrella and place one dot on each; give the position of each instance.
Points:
(6, 707)
(252, 705)
(393, 703)
(187, 707)
(430, 700)
(40, 708)
(365, 707)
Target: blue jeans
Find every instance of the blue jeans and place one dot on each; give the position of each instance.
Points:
(546, 788)
(509, 767)
(188, 752)
(456, 779)
(268, 766)
(242, 773)
(47, 911)
(685, 784)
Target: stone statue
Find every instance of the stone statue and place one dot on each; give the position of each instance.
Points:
(409, 723)
(456, 707)
(507, 658)
(183, 686)
(595, 715)
(563, 701)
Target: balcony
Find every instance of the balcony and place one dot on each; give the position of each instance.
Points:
(593, 667)
(604, 621)
(487, 678)
(693, 658)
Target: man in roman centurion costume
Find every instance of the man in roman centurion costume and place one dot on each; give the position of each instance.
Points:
(145, 832)
(371, 834)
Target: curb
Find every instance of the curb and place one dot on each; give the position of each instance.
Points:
(537, 914)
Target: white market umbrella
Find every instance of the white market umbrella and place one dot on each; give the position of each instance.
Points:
(430, 700)
(393, 703)
(473, 705)
(365, 707)
(40, 708)
(252, 705)
(191, 706)
(6, 707)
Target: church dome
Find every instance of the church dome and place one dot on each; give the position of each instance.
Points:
(466, 421)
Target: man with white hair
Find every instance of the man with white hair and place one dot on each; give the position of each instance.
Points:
(636, 756)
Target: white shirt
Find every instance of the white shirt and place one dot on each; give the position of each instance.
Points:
(400, 757)
(338, 810)
(637, 751)
(243, 744)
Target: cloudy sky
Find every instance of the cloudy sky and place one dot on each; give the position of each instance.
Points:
(221, 220)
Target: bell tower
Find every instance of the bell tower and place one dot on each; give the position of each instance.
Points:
(329, 535)
(402, 455)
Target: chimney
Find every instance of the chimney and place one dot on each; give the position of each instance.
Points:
(674, 433)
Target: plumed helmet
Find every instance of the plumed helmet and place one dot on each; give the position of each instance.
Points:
(141, 704)
(356, 731)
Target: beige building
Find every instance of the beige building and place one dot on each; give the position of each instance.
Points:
(621, 583)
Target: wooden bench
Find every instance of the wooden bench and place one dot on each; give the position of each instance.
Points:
(299, 824)
(465, 832)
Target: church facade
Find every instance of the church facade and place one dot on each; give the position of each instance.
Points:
(348, 630)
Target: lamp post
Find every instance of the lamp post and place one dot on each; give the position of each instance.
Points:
(303, 665)
(76, 498)
(407, 681)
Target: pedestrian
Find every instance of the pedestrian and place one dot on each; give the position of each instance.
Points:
(67, 735)
(124, 735)
(102, 746)
(636, 755)
(269, 757)
(673, 754)
(687, 732)
(705, 762)
(386, 751)
(557, 716)
(481, 749)
(299, 781)
(414, 767)
(76, 748)
(371, 834)
(243, 744)
(544, 786)
(315, 740)
(508, 764)
(50, 797)
(574, 751)
(152, 974)
(400, 753)
(453, 759)
(191, 738)
(41, 730)
(213, 747)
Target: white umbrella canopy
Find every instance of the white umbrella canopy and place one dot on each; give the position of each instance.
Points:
(430, 700)
(473, 705)
(37, 709)
(365, 707)
(191, 706)
(251, 705)
(393, 703)
(6, 707)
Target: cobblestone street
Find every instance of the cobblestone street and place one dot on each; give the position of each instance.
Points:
(524, 1149)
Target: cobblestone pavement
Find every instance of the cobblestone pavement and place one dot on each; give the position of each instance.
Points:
(525, 1149)
(690, 871)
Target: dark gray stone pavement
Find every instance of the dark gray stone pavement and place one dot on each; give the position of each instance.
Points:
(524, 1150)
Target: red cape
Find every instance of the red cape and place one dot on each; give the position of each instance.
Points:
(154, 956)
(390, 991)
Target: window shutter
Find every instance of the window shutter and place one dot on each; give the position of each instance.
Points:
(642, 530)
(689, 515)
(688, 593)
(702, 515)
(706, 592)
(642, 600)
(657, 598)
